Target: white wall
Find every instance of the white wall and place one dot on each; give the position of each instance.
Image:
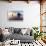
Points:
(31, 14)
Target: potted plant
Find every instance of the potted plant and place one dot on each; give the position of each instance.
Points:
(37, 33)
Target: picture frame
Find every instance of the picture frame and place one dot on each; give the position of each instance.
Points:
(15, 15)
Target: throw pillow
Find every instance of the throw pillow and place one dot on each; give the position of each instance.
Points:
(17, 30)
(23, 31)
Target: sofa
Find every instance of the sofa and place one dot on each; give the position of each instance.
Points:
(22, 34)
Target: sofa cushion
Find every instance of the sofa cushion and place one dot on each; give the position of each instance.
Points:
(20, 37)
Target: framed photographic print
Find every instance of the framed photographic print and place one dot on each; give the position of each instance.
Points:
(15, 15)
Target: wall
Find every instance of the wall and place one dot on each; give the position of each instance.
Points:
(31, 14)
